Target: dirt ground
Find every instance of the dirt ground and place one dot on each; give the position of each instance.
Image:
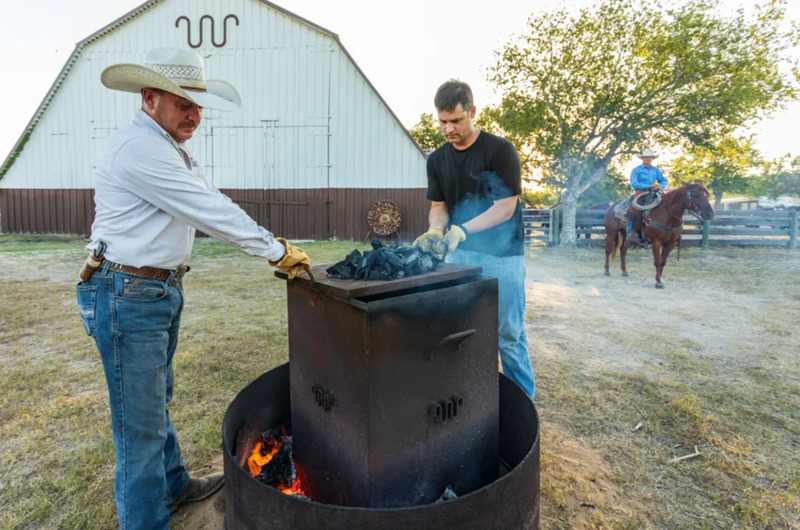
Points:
(722, 317)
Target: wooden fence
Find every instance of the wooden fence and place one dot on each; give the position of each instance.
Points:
(774, 228)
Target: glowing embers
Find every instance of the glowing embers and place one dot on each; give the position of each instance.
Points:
(271, 462)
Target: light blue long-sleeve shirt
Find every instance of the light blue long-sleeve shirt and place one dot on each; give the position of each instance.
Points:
(150, 196)
(642, 177)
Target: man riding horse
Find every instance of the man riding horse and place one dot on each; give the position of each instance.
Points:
(645, 177)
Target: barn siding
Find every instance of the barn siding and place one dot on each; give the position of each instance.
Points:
(311, 127)
(304, 99)
(46, 211)
(336, 213)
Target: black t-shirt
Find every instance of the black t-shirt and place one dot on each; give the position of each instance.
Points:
(469, 182)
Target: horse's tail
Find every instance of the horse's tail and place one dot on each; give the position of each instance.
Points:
(617, 245)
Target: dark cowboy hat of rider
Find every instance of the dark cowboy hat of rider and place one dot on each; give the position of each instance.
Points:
(648, 153)
(180, 72)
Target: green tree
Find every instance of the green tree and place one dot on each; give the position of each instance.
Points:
(780, 177)
(727, 166)
(427, 132)
(583, 93)
(545, 198)
(614, 186)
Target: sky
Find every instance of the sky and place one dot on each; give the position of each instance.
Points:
(406, 49)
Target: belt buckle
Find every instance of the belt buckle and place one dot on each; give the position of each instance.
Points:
(179, 273)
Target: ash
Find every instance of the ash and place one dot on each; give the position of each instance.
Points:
(384, 263)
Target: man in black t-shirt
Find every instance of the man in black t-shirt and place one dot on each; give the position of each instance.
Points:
(475, 218)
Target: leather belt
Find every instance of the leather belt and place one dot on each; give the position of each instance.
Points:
(151, 272)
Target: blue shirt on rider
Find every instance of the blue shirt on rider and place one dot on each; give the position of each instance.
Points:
(642, 177)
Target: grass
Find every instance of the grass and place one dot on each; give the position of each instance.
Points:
(736, 484)
(737, 398)
(56, 462)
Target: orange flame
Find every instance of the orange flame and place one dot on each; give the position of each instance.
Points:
(257, 460)
(295, 488)
(262, 453)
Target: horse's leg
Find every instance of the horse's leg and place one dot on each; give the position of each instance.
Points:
(623, 252)
(667, 248)
(657, 261)
(609, 222)
(669, 244)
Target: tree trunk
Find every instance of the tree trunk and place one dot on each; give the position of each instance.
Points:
(579, 182)
(717, 200)
(570, 204)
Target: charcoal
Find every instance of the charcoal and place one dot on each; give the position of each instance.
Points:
(384, 263)
(281, 467)
(346, 268)
(251, 433)
(447, 495)
(273, 436)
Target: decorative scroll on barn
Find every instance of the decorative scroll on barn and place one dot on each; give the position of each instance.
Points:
(200, 39)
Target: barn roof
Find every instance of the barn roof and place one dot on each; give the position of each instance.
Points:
(20, 143)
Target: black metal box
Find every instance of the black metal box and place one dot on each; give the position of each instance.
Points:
(394, 386)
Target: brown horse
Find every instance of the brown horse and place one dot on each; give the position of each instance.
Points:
(662, 228)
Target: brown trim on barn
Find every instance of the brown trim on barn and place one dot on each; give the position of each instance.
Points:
(46, 211)
(349, 209)
(336, 213)
(320, 214)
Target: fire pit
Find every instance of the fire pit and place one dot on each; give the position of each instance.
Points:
(394, 403)
(509, 503)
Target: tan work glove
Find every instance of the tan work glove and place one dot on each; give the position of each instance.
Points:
(427, 241)
(294, 262)
(450, 241)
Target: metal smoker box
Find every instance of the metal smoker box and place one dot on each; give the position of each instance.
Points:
(394, 386)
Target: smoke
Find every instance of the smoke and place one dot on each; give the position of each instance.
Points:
(488, 187)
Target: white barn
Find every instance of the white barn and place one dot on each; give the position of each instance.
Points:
(312, 147)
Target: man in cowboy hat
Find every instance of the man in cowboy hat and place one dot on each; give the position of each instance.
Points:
(644, 177)
(150, 197)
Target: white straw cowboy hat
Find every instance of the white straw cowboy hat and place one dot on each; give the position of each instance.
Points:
(180, 72)
(648, 153)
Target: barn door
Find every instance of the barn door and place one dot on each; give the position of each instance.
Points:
(297, 175)
(237, 164)
(277, 173)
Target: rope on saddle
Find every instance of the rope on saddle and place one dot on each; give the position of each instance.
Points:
(646, 201)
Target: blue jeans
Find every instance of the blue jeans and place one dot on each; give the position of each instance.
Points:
(513, 343)
(134, 322)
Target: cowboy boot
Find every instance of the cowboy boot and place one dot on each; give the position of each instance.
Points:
(633, 238)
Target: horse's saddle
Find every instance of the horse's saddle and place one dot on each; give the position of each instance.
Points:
(621, 209)
(643, 202)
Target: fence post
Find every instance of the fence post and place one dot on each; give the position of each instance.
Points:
(793, 230)
(555, 226)
(706, 227)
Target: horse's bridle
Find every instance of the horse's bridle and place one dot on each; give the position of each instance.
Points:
(692, 195)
